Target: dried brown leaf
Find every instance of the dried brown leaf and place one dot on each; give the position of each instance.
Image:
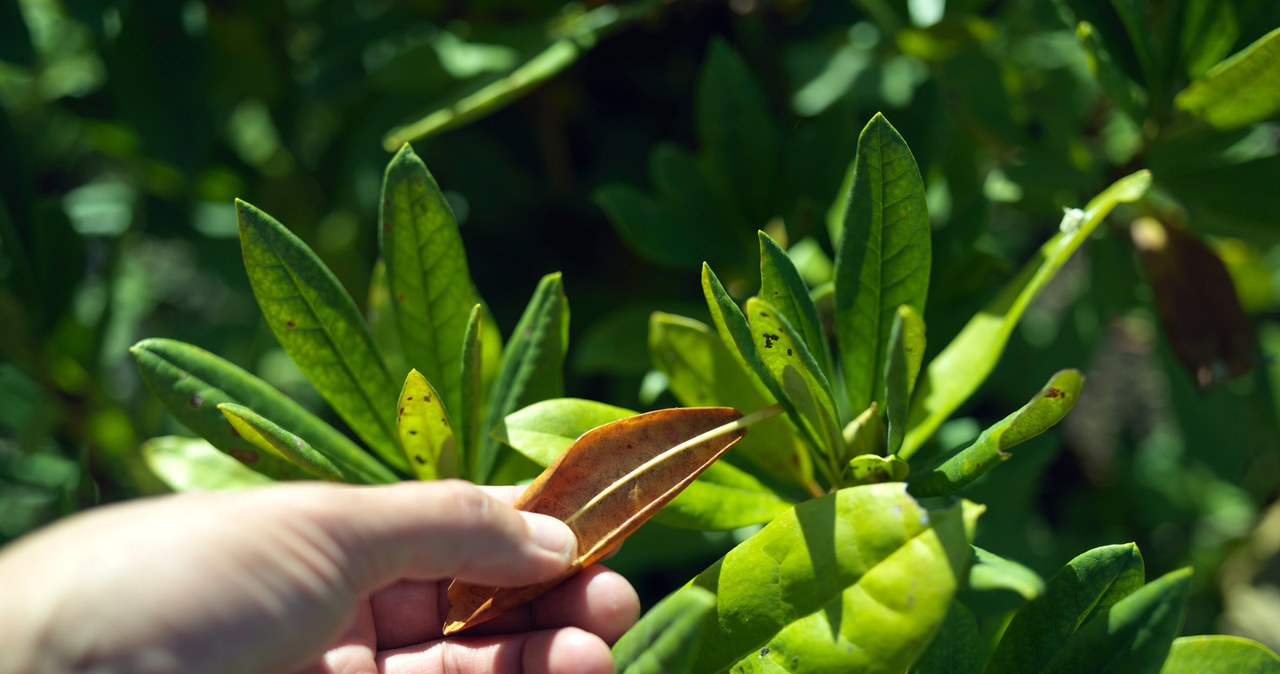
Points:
(604, 487)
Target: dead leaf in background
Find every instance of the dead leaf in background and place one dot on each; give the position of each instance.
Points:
(604, 487)
(1197, 302)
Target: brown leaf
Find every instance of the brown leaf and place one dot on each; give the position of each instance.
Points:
(604, 487)
(1197, 302)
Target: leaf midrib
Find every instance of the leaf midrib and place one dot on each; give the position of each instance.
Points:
(324, 328)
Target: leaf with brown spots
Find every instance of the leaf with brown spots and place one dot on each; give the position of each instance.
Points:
(425, 433)
(1047, 408)
(605, 486)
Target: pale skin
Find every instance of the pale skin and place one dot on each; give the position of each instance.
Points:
(313, 578)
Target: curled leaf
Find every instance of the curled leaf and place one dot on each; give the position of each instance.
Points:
(605, 486)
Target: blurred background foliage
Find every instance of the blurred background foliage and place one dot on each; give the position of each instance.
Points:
(647, 138)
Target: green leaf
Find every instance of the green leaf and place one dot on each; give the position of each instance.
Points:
(991, 572)
(544, 430)
(782, 286)
(192, 382)
(1088, 584)
(906, 352)
(702, 371)
(425, 434)
(270, 437)
(722, 498)
(1240, 90)
(646, 226)
(15, 39)
(1134, 636)
(882, 260)
(792, 597)
(794, 370)
(382, 322)
(991, 448)
(578, 36)
(873, 469)
(532, 365)
(190, 464)
(1219, 654)
(1132, 15)
(961, 367)
(1209, 30)
(956, 649)
(468, 426)
(427, 274)
(664, 640)
(317, 323)
(1122, 91)
(737, 136)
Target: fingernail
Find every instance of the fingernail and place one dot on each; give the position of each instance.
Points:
(550, 534)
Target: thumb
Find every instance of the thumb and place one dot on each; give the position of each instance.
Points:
(439, 530)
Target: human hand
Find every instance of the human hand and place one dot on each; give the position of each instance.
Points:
(302, 577)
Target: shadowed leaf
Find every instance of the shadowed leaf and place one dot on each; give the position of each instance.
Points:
(1197, 302)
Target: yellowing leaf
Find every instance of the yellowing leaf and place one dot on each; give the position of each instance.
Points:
(425, 433)
(605, 486)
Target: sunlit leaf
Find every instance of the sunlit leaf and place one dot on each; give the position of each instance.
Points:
(701, 372)
(963, 365)
(191, 464)
(991, 448)
(794, 370)
(427, 275)
(1240, 90)
(782, 287)
(883, 258)
(425, 434)
(790, 598)
(1219, 654)
(604, 487)
(319, 326)
(991, 572)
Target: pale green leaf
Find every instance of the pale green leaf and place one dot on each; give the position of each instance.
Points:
(1241, 90)
(425, 434)
(723, 497)
(702, 371)
(1047, 408)
(270, 437)
(792, 597)
(1219, 654)
(963, 365)
(186, 464)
